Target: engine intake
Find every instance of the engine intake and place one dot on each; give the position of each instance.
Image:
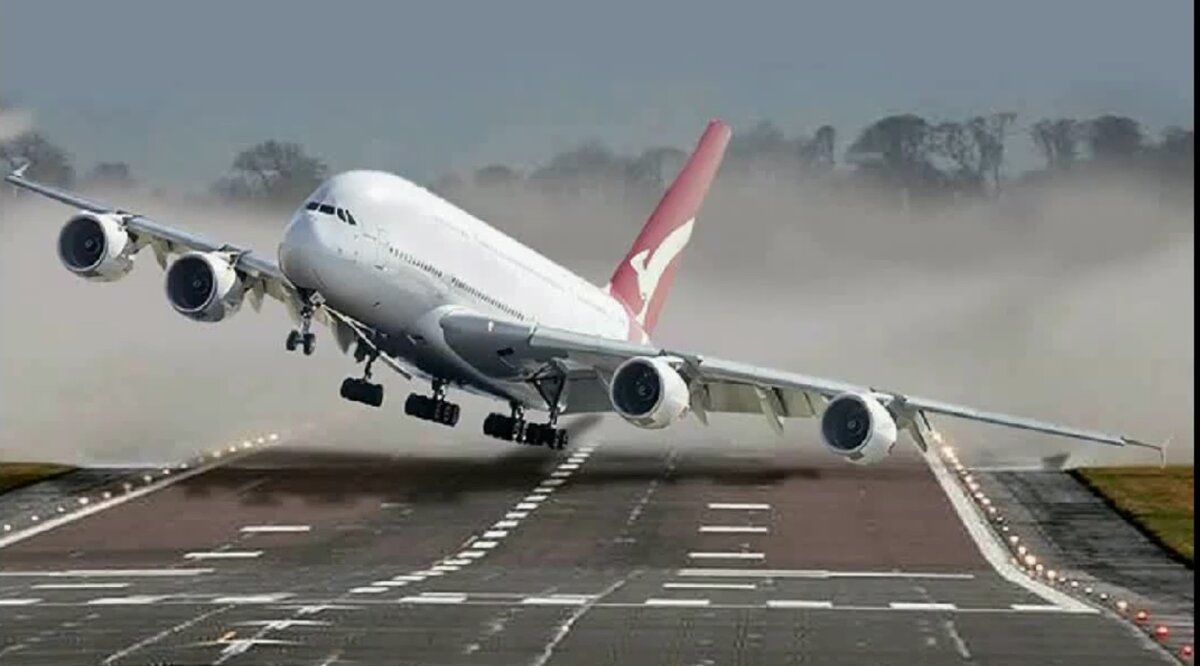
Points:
(204, 287)
(858, 428)
(649, 393)
(96, 247)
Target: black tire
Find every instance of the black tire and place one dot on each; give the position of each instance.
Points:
(373, 395)
(293, 339)
(449, 415)
(310, 342)
(490, 426)
(350, 389)
(414, 405)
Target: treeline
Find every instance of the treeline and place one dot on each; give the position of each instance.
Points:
(934, 160)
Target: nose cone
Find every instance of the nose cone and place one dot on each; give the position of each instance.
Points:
(300, 248)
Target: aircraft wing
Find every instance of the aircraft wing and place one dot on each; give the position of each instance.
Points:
(717, 386)
(260, 274)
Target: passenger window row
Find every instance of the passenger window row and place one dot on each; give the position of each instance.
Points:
(499, 305)
(425, 266)
(341, 213)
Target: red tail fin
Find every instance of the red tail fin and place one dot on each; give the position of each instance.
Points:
(644, 276)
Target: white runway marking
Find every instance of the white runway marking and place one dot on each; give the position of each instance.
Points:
(526, 506)
(798, 603)
(445, 567)
(732, 529)
(368, 589)
(556, 600)
(726, 556)
(101, 573)
(125, 652)
(135, 600)
(817, 573)
(559, 474)
(506, 524)
(495, 534)
(552, 483)
(735, 506)
(535, 498)
(458, 563)
(18, 602)
(472, 554)
(709, 586)
(223, 555)
(1039, 608)
(568, 467)
(431, 598)
(920, 605)
(690, 603)
(409, 578)
(81, 586)
(515, 515)
(389, 583)
(486, 545)
(276, 528)
(253, 598)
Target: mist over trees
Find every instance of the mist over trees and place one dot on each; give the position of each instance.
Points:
(927, 160)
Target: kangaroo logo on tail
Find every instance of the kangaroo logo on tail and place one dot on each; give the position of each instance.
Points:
(650, 267)
(641, 280)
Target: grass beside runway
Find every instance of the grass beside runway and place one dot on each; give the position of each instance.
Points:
(15, 475)
(1159, 501)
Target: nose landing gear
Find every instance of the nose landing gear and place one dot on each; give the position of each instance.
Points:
(304, 338)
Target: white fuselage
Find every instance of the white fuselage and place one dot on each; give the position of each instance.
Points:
(403, 257)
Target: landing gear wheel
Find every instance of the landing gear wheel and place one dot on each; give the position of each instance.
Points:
(309, 341)
(293, 340)
(431, 409)
(359, 390)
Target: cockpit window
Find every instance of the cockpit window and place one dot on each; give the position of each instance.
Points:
(312, 205)
(341, 214)
(327, 209)
(350, 219)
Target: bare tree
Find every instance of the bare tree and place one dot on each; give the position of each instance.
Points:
(1057, 140)
(47, 162)
(273, 172)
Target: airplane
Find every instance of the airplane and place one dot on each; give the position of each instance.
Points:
(407, 278)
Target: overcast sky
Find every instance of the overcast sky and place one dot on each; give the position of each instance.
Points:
(175, 88)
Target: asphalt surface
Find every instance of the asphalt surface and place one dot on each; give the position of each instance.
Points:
(525, 556)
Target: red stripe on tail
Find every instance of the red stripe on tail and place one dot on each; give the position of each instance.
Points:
(644, 276)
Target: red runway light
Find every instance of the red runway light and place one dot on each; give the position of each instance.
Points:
(1161, 632)
(1141, 616)
(1186, 652)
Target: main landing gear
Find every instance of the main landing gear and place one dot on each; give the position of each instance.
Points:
(433, 408)
(515, 429)
(303, 338)
(362, 390)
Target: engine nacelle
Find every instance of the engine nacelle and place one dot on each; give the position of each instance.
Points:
(96, 247)
(858, 428)
(204, 286)
(649, 393)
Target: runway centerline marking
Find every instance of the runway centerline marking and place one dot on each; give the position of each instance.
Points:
(223, 555)
(80, 586)
(738, 506)
(134, 600)
(726, 556)
(798, 603)
(709, 586)
(818, 573)
(18, 602)
(732, 529)
(100, 573)
(253, 598)
(434, 599)
(920, 605)
(254, 529)
(691, 603)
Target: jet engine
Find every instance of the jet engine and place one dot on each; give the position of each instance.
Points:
(96, 247)
(649, 393)
(204, 286)
(858, 428)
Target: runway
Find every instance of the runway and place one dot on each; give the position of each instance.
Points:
(595, 556)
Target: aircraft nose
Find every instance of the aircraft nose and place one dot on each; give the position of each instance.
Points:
(298, 248)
